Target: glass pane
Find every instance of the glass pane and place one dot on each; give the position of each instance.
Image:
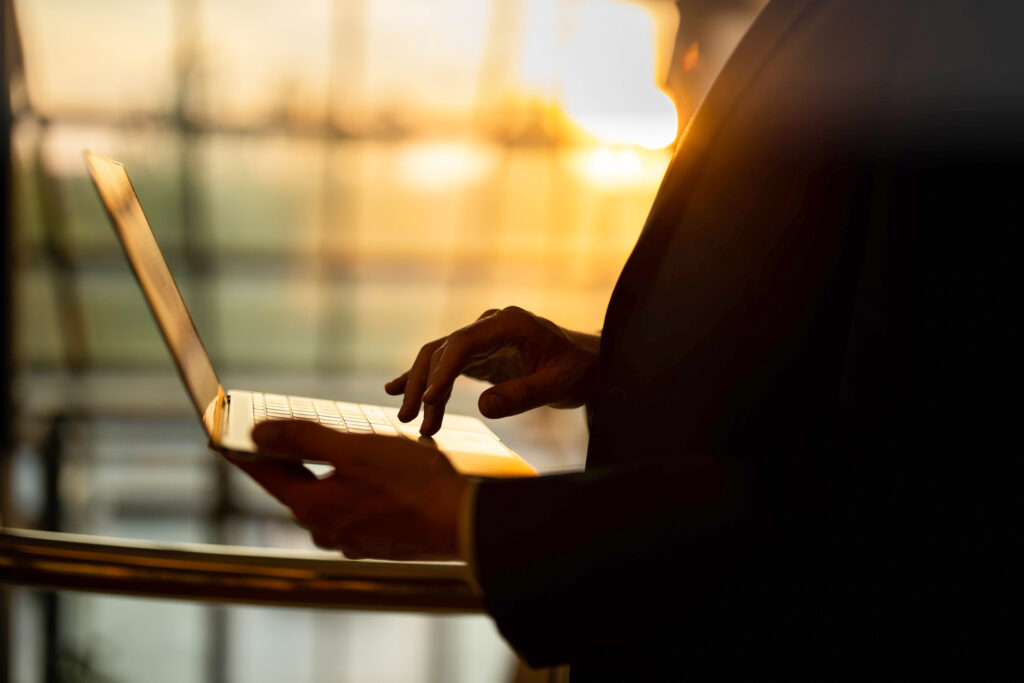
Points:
(107, 58)
(333, 183)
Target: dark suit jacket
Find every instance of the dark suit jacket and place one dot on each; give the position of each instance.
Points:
(800, 444)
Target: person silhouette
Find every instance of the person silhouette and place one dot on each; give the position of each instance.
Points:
(799, 401)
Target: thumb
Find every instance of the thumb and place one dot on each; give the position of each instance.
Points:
(519, 395)
(304, 440)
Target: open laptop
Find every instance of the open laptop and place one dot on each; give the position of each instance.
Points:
(228, 416)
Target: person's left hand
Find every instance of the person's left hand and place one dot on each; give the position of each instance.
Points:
(387, 497)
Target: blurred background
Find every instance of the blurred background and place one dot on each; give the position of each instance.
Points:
(334, 183)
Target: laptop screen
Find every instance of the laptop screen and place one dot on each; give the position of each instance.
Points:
(150, 268)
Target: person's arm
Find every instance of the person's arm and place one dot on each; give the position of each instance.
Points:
(565, 563)
(577, 566)
(396, 499)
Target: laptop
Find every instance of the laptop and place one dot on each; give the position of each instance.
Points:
(228, 416)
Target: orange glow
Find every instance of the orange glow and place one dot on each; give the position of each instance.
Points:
(621, 167)
(608, 165)
(691, 57)
(439, 166)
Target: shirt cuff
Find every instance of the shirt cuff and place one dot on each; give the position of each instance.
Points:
(467, 525)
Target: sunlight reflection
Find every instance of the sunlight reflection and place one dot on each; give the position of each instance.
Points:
(619, 167)
(436, 166)
(611, 162)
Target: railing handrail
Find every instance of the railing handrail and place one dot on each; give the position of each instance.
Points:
(220, 573)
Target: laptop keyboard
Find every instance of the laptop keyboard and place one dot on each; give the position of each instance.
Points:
(337, 415)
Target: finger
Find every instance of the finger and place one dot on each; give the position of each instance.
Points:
(519, 395)
(363, 456)
(305, 440)
(433, 415)
(484, 335)
(341, 527)
(397, 385)
(416, 381)
(324, 539)
(433, 411)
(367, 533)
(288, 482)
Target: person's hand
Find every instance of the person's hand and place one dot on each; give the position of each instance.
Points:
(531, 361)
(387, 498)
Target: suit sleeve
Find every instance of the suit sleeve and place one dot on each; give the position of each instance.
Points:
(569, 564)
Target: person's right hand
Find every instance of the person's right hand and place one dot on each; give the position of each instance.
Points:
(531, 361)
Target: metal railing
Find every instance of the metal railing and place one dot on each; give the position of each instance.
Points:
(232, 574)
